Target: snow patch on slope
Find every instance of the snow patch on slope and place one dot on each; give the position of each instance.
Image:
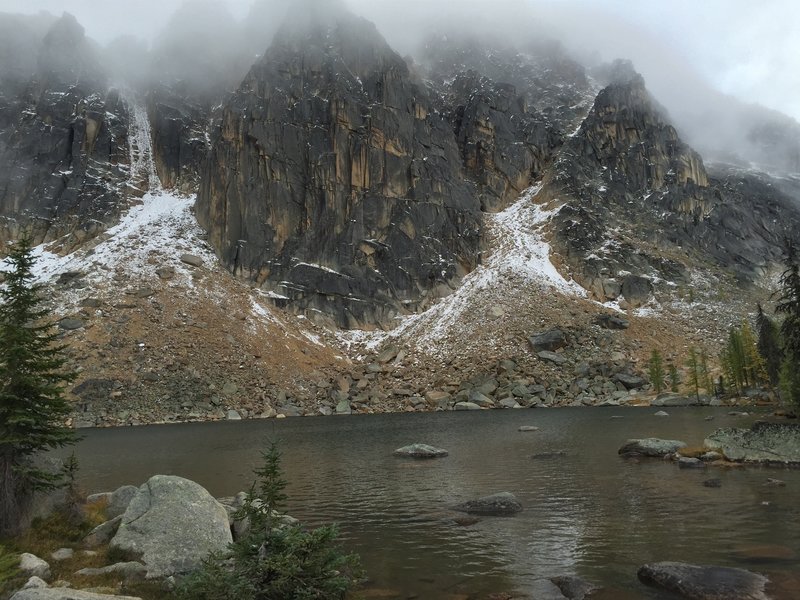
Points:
(519, 254)
(150, 235)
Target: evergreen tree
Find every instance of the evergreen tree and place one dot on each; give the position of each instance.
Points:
(32, 402)
(769, 346)
(656, 371)
(789, 306)
(695, 376)
(674, 379)
(706, 381)
(754, 366)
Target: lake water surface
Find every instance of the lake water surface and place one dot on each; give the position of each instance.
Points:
(587, 513)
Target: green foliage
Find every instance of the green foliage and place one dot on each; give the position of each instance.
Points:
(695, 374)
(656, 371)
(769, 346)
(706, 381)
(674, 379)
(9, 570)
(274, 560)
(741, 362)
(789, 382)
(32, 402)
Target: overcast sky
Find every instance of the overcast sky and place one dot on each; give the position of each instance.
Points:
(745, 48)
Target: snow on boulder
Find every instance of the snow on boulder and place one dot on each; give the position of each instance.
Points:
(172, 524)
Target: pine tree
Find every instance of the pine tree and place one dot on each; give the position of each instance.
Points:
(674, 379)
(789, 306)
(695, 378)
(32, 402)
(769, 346)
(706, 381)
(656, 371)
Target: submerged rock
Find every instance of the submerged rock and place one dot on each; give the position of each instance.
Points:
(420, 451)
(762, 443)
(574, 588)
(651, 447)
(501, 504)
(173, 524)
(705, 583)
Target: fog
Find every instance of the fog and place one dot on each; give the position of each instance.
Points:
(704, 61)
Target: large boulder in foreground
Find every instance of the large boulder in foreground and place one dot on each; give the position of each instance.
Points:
(64, 594)
(764, 442)
(705, 583)
(172, 524)
(420, 451)
(502, 504)
(651, 447)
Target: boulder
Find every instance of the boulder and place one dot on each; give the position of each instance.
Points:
(630, 381)
(466, 406)
(651, 447)
(670, 399)
(574, 588)
(661, 413)
(420, 451)
(704, 583)
(64, 594)
(769, 443)
(119, 500)
(501, 504)
(34, 566)
(191, 260)
(129, 571)
(172, 524)
(685, 462)
(103, 533)
(552, 357)
(480, 399)
(612, 322)
(548, 340)
(62, 554)
(636, 290)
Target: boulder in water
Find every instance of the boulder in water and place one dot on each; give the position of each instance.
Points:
(420, 451)
(651, 447)
(776, 443)
(704, 583)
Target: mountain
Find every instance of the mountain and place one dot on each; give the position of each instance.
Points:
(322, 225)
(333, 181)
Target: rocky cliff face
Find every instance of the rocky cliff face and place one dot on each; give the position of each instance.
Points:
(637, 205)
(63, 143)
(333, 181)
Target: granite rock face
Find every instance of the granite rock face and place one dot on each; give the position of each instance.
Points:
(332, 181)
(638, 205)
(64, 152)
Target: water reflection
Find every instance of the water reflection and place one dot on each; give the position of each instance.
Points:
(586, 512)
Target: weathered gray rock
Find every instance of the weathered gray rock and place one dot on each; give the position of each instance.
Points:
(670, 399)
(480, 399)
(173, 524)
(501, 504)
(71, 324)
(191, 260)
(64, 594)
(103, 533)
(129, 571)
(574, 588)
(528, 428)
(552, 357)
(233, 415)
(420, 451)
(705, 583)
(31, 564)
(119, 500)
(549, 341)
(34, 583)
(661, 413)
(763, 443)
(651, 447)
(62, 554)
(630, 381)
(466, 406)
(612, 322)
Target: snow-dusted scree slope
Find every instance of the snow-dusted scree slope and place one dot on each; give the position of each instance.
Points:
(519, 260)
